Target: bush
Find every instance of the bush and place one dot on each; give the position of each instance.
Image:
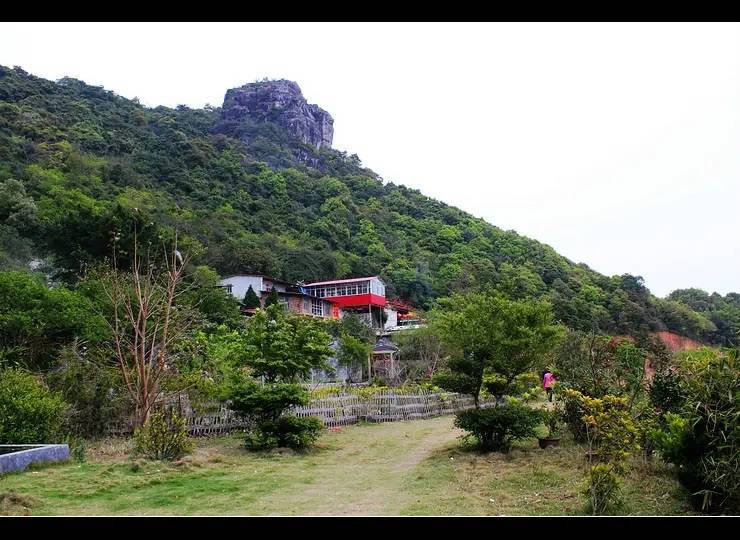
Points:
(29, 413)
(666, 393)
(93, 390)
(703, 441)
(163, 436)
(265, 404)
(573, 414)
(495, 428)
(602, 490)
(286, 431)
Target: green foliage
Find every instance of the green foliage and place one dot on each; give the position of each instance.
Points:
(164, 436)
(597, 365)
(496, 428)
(93, 389)
(574, 413)
(702, 438)
(286, 431)
(353, 351)
(29, 413)
(284, 346)
(612, 437)
(666, 393)
(212, 364)
(257, 200)
(268, 401)
(35, 320)
(216, 306)
(490, 333)
(280, 348)
(251, 300)
(602, 490)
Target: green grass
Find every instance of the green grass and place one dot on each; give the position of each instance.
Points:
(404, 468)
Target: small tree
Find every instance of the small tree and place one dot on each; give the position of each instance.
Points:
(146, 322)
(281, 349)
(355, 339)
(422, 352)
(490, 333)
(251, 300)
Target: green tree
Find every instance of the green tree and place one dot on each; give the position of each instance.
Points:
(488, 332)
(282, 346)
(281, 349)
(251, 300)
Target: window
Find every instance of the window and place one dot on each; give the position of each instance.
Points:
(317, 307)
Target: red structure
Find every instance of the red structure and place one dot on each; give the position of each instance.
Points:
(364, 295)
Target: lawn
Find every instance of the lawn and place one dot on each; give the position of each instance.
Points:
(401, 468)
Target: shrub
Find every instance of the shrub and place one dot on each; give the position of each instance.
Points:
(602, 490)
(613, 436)
(163, 436)
(286, 431)
(666, 393)
(92, 389)
(29, 413)
(495, 428)
(266, 405)
(573, 414)
(703, 441)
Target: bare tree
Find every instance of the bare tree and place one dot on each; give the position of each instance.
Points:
(146, 321)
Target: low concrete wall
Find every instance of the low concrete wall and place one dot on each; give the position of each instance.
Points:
(29, 453)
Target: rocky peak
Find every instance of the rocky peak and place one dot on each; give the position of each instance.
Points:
(283, 103)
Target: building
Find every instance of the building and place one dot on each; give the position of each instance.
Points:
(294, 298)
(401, 316)
(384, 364)
(362, 296)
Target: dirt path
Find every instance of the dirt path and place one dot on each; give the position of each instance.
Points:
(366, 475)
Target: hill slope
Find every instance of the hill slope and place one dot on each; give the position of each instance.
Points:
(254, 186)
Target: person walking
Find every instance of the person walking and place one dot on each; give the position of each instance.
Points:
(547, 379)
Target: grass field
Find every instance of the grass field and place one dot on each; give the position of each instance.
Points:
(402, 468)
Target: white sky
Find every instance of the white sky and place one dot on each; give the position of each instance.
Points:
(617, 144)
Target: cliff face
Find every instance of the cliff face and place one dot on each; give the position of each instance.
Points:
(282, 103)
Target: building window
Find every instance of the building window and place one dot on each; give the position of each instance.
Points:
(317, 307)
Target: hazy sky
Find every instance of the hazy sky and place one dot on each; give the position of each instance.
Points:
(617, 144)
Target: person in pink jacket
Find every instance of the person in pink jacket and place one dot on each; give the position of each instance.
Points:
(547, 379)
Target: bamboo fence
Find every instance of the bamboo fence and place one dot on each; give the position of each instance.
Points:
(333, 410)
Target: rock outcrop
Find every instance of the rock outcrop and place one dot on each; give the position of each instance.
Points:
(282, 103)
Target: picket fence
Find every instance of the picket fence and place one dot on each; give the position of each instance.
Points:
(333, 410)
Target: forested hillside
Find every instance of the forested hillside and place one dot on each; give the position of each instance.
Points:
(78, 163)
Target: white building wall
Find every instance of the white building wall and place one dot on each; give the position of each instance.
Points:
(240, 285)
(392, 319)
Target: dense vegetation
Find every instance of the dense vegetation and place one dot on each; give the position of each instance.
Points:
(78, 163)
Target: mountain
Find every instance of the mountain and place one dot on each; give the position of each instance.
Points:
(254, 186)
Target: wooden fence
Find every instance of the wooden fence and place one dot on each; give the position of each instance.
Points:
(333, 410)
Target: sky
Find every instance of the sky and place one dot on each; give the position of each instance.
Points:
(616, 144)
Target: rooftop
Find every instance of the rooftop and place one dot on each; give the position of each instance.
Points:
(334, 281)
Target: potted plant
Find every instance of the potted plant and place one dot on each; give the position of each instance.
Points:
(552, 421)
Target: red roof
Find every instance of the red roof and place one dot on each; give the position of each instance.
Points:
(352, 280)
